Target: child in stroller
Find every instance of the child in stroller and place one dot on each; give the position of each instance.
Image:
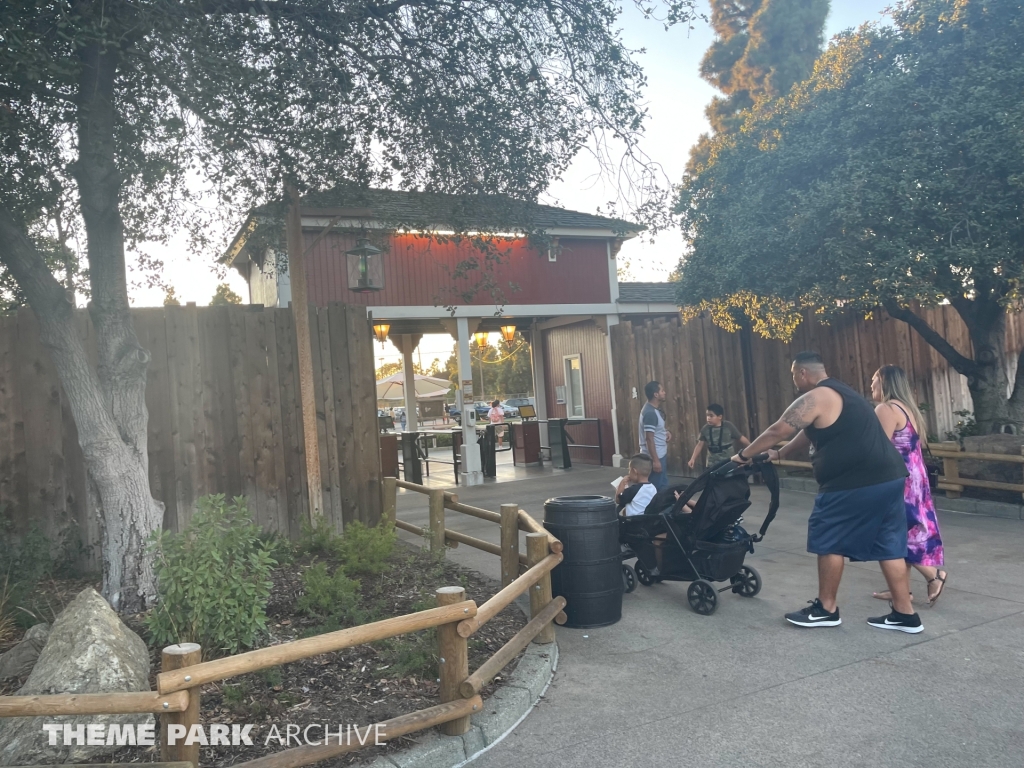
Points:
(703, 544)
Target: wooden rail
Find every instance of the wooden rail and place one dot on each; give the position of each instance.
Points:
(528, 524)
(141, 702)
(253, 661)
(466, 509)
(504, 598)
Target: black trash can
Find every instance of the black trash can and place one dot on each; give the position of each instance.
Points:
(590, 575)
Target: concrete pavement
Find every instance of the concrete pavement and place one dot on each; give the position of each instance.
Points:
(744, 688)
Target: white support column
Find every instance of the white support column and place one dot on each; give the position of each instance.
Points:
(409, 343)
(472, 473)
(611, 320)
(540, 390)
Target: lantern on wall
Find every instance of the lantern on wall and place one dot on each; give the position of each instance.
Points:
(481, 338)
(380, 331)
(365, 267)
(508, 332)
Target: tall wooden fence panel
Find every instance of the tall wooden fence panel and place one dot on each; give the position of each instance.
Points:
(224, 417)
(700, 363)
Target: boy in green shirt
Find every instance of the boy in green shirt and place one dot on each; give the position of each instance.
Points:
(719, 436)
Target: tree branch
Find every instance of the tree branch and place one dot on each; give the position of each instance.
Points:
(962, 364)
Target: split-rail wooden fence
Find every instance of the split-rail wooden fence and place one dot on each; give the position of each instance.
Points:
(700, 363)
(183, 673)
(224, 417)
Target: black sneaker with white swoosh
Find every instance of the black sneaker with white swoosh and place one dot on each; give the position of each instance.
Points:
(815, 616)
(901, 622)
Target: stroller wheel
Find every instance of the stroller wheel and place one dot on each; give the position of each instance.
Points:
(746, 582)
(703, 597)
(642, 574)
(628, 578)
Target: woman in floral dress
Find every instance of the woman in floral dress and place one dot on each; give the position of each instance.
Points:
(902, 422)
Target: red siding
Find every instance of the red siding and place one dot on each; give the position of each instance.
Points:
(419, 271)
(586, 340)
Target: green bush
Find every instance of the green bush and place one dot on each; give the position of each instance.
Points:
(318, 539)
(365, 551)
(24, 562)
(966, 426)
(331, 597)
(213, 579)
(278, 546)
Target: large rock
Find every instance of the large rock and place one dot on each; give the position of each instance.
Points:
(19, 661)
(999, 471)
(89, 651)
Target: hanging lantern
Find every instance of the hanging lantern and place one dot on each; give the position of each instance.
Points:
(380, 330)
(481, 338)
(365, 267)
(508, 332)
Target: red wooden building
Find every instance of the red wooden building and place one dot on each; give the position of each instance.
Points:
(550, 271)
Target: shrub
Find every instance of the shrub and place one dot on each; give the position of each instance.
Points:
(331, 597)
(24, 562)
(365, 551)
(318, 539)
(213, 579)
(966, 426)
(278, 547)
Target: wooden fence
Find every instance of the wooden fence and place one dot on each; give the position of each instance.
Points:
(183, 673)
(224, 417)
(700, 363)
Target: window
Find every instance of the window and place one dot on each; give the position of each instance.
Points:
(573, 387)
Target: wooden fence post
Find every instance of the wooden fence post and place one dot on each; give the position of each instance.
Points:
(453, 659)
(437, 521)
(176, 657)
(509, 543)
(540, 593)
(951, 471)
(390, 498)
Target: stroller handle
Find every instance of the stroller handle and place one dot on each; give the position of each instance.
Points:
(761, 458)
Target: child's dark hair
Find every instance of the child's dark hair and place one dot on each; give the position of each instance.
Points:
(642, 463)
(716, 409)
(495, 403)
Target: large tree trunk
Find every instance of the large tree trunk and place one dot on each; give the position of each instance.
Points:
(108, 404)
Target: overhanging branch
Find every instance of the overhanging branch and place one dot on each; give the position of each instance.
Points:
(962, 364)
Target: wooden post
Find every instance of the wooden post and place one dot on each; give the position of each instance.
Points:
(390, 498)
(453, 659)
(300, 315)
(1022, 454)
(951, 471)
(436, 520)
(540, 593)
(176, 657)
(509, 543)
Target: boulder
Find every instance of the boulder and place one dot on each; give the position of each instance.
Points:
(89, 650)
(999, 471)
(18, 661)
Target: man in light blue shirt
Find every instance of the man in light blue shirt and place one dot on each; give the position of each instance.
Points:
(654, 436)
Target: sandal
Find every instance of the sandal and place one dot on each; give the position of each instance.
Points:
(940, 576)
(887, 595)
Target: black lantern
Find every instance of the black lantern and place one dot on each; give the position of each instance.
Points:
(365, 267)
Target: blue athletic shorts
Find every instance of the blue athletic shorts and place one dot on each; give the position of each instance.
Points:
(868, 523)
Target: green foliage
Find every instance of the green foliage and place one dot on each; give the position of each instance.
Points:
(966, 426)
(893, 175)
(224, 296)
(330, 596)
(364, 551)
(24, 562)
(278, 547)
(213, 579)
(317, 539)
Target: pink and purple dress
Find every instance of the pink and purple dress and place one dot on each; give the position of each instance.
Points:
(924, 543)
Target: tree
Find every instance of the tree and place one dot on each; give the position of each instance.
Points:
(893, 177)
(171, 298)
(515, 372)
(224, 296)
(111, 107)
(762, 49)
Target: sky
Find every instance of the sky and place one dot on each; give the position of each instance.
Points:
(675, 97)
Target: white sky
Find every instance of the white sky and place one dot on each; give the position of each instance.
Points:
(676, 97)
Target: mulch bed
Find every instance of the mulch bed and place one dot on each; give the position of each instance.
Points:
(358, 686)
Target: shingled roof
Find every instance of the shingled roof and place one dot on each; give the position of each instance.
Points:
(647, 293)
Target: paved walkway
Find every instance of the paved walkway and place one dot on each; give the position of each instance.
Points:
(666, 686)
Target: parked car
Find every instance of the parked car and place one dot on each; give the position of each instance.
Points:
(518, 402)
(509, 410)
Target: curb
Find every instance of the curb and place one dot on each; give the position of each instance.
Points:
(506, 709)
(967, 506)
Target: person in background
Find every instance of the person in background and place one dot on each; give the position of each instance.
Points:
(444, 416)
(903, 424)
(402, 419)
(635, 490)
(497, 417)
(654, 437)
(718, 436)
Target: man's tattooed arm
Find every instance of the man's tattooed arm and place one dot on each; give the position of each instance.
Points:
(800, 414)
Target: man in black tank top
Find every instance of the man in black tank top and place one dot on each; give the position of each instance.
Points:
(859, 511)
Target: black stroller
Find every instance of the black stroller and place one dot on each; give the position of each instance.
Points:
(705, 545)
